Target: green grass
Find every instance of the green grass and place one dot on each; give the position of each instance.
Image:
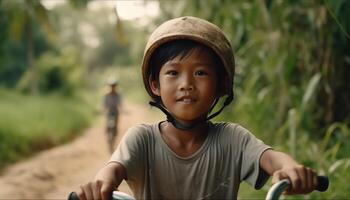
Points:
(32, 123)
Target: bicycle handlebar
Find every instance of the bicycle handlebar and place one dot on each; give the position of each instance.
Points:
(116, 195)
(73, 196)
(273, 194)
(276, 190)
(322, 183)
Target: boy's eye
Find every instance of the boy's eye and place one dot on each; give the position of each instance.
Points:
(201, 73)
(171, 72)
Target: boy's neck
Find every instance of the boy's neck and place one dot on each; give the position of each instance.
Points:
(184, 142)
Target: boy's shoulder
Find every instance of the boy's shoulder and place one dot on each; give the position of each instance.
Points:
(229, 127)
(230, 130)
(142, 127)
(142, 131)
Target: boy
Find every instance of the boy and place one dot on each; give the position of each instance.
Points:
(187, 66)
(112, 104)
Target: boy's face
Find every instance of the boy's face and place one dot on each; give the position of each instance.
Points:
(187, 86)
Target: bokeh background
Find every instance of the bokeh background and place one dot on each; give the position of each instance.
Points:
(292, 82)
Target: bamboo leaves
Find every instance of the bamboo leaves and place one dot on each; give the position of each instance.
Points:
(311, 91)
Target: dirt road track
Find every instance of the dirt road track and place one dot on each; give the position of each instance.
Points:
(52, 174)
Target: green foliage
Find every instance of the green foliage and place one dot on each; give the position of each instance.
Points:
(339, 10)
(13, 48)
(28, 30)
(58, 73)
(79, 3)
(67, 45)
(32, 123)
(95, 32)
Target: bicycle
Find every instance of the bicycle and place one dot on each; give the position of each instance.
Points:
(273, 194)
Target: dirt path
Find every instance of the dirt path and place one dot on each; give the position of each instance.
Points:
(52, 174)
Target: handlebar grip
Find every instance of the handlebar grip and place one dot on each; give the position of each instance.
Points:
(276, 190)
(115, 196)
(322, 183)
(73, 196)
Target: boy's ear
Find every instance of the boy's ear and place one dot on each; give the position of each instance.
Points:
(154, 86)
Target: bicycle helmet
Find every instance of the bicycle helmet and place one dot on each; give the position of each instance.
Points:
(201, 31)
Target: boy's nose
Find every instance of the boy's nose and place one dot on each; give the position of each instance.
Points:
(187, 87)
(186, 83)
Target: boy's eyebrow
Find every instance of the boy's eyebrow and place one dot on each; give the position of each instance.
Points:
(176, 63)
(203, 63)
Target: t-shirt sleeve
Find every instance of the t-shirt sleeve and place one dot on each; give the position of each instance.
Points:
(129, 152)
(251, 151)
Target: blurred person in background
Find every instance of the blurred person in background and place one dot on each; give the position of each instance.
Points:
(112, 105)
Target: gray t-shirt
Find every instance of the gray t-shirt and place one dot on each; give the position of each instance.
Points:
(230, 154)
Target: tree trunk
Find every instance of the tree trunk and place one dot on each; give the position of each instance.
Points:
(30, 49)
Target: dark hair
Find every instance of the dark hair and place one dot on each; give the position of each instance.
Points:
(182, 48)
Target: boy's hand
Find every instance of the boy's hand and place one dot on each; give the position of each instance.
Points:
(106, 180)
(97, 189)
(303, 180)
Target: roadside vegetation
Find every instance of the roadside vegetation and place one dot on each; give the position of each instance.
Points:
(29, 124)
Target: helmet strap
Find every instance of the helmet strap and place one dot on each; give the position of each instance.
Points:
(171, 119)
(227, 101)
(185, 127)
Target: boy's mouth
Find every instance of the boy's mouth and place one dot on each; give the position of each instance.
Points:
(186, 99)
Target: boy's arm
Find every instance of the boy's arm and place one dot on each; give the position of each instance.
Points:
(282, 166)
(106, 180)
